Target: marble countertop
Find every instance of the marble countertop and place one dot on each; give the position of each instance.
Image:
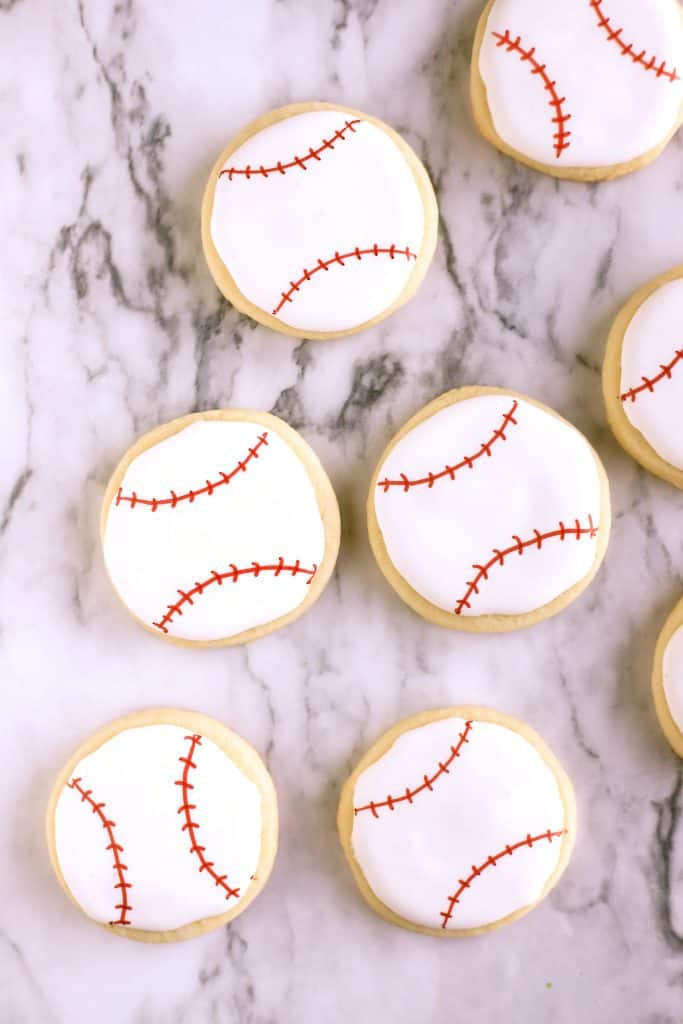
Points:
(112, 115)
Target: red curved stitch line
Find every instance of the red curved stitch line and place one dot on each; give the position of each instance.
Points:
(428, 782)
(339, 258)
(298, 161)
(120, 868)
(577, 531)
(154, 503)
(649, 383)
(561, 135)
(232, 574)
(491, 862)
(468, 460)
(627, 49)
(191, 826)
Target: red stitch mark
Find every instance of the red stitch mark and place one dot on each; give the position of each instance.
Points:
(627, 49)
(562, 532)
(561, 136)
(297, 161)
(649, 383)
(120, 868)
(392, 252)
(468, 460)
(428, 780)
(491, 862)
(232, 574)
(134, 499)
(191, 826)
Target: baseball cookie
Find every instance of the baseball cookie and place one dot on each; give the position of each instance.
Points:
(219, 527)
(163, 825)
(588, 90)
(667, 679)
(643, 377)
(457, 821)
(318, 221)
(488, 511)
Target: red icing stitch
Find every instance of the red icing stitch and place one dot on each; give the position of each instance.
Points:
(297, 161)
(562, 532)
(120, 868)
(191, 826)
(627, 49)
(491, 862)
(428, 780)
(232, 574)
(134, 499)
(561, 136)
(392, 252)
(467, 462)
(649, 383)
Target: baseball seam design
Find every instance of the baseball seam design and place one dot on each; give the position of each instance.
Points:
(297, 161)
(428, 781)
(392, 252)
(627, 49)
(232, 574)
(120, 868)
(191, 826)
(134, 499)
(649, 383)
(467, 461)
(561, 136)
(491, 862)
(519, 547)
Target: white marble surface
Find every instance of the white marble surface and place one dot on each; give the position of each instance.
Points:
(112, 115)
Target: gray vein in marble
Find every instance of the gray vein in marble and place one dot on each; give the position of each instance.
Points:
(665, 836)
(373, 379)
(22, 999)
(15, 494)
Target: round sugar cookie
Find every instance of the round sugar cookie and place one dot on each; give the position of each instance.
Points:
(643, 377)
(589, 90)
(457, 821)
(667, 679)
(318, 221)
(488, 511)
(219, 527)
(163, 825)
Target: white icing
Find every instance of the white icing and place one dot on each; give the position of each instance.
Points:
(133, 775)
(267, 512)
(650, 343)
(673, 676)
(619, 110)
(361, 193)
(495, 793)
(543, 473)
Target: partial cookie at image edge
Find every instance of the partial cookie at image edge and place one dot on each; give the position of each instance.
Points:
(629, 437)
(671, 730)
(484, 123)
